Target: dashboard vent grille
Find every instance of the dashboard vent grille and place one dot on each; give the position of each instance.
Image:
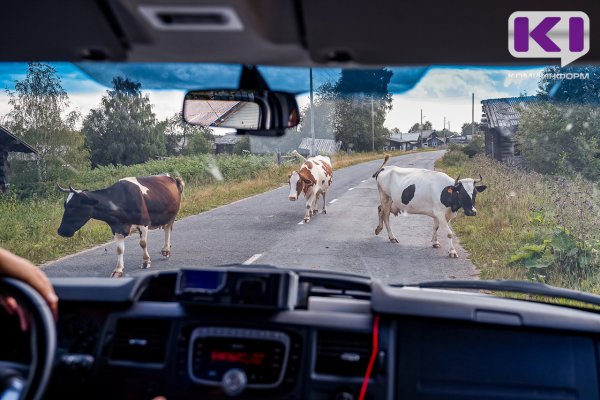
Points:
(343, 353)
(141, 340)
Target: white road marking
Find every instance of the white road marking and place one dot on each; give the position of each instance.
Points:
(350, 189)
(301, 222)
(252, 259)
(333, 201)
(364, 180)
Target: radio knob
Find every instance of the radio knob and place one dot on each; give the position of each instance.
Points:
(234, 382)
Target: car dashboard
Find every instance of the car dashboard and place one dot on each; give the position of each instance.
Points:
(134, 338)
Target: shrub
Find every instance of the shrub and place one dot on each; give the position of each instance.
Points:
(454, 158)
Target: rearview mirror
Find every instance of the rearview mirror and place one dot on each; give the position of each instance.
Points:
(251, 111)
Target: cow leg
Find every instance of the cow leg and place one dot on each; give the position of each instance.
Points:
(118, 271)
(144, 245)
(384, 216)
(315, 206)
(446, 229)
(324, 202)
(434, 239)
(309, 206)
(166, 250)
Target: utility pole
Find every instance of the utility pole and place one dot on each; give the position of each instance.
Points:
(372, 122)
(312, 117)
(472, 115)
(421, 126)
(444, 123)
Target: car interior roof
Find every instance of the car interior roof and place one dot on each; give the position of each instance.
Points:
(272, 32)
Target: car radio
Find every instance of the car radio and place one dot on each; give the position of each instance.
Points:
(237, 358)
(251, 287)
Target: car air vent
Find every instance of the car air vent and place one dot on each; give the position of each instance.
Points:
(343, 353)
(141, 340)
(331, 285)
(192, 18)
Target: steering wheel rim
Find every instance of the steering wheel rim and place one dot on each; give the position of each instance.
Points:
(43, 335)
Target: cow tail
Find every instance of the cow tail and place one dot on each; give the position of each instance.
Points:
(385, 160)
(180, 184)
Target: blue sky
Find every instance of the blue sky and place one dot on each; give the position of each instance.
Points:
(439, 91)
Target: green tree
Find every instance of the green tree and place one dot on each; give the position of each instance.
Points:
(572, 84)
(352, 97)
(40, 115)
(123, 130)
(565, 143)
(417, 127)
(184, 138)
(466, 129)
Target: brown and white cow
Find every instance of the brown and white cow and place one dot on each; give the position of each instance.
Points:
(130, 205)
(425, 192)
(313, 179)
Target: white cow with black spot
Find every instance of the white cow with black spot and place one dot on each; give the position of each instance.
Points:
(425, 192)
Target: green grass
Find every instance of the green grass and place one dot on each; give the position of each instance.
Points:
(29, 225)
(530, 226)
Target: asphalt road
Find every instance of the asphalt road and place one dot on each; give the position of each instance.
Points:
(268, 229)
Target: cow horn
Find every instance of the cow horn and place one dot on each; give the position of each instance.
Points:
(62, 189)
(74, 190)
(457, 179)
(480, 179)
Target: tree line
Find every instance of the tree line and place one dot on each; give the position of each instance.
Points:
(121, 130)
(560, 134)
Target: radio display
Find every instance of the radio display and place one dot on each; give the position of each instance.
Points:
(263, 359)
(240, 357)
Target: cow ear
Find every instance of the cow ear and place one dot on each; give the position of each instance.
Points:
(480, 188)
(289, 175)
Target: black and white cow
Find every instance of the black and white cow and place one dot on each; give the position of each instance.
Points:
(130, 205)
(425, 192)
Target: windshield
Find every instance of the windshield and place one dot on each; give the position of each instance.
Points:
(514, 194)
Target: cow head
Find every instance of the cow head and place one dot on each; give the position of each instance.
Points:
(299, 182)
(462, 195)
(79, 207)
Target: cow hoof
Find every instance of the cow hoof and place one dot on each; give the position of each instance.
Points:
(165, 253)
(306, 220)
(452, 254)
(146, 264)
(315, 212)
(378, 230)
(437, 245)
(394, 240)
(324, 211)
(116, 274)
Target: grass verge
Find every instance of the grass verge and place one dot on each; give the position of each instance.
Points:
(530, 226)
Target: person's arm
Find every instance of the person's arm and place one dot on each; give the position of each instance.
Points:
(17, 267)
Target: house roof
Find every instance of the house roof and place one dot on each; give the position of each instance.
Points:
(322, 146)
(426, 133)
(10, 142)
(405, 137)
(506, 112)
(207, 113)
(228, 139)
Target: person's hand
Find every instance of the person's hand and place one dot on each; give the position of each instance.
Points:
(17, 267)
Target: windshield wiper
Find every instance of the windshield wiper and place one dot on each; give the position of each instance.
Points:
(531, 288)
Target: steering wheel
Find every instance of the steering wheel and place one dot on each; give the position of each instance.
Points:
(28, 382)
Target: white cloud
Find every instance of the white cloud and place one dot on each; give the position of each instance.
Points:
(446, 92)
